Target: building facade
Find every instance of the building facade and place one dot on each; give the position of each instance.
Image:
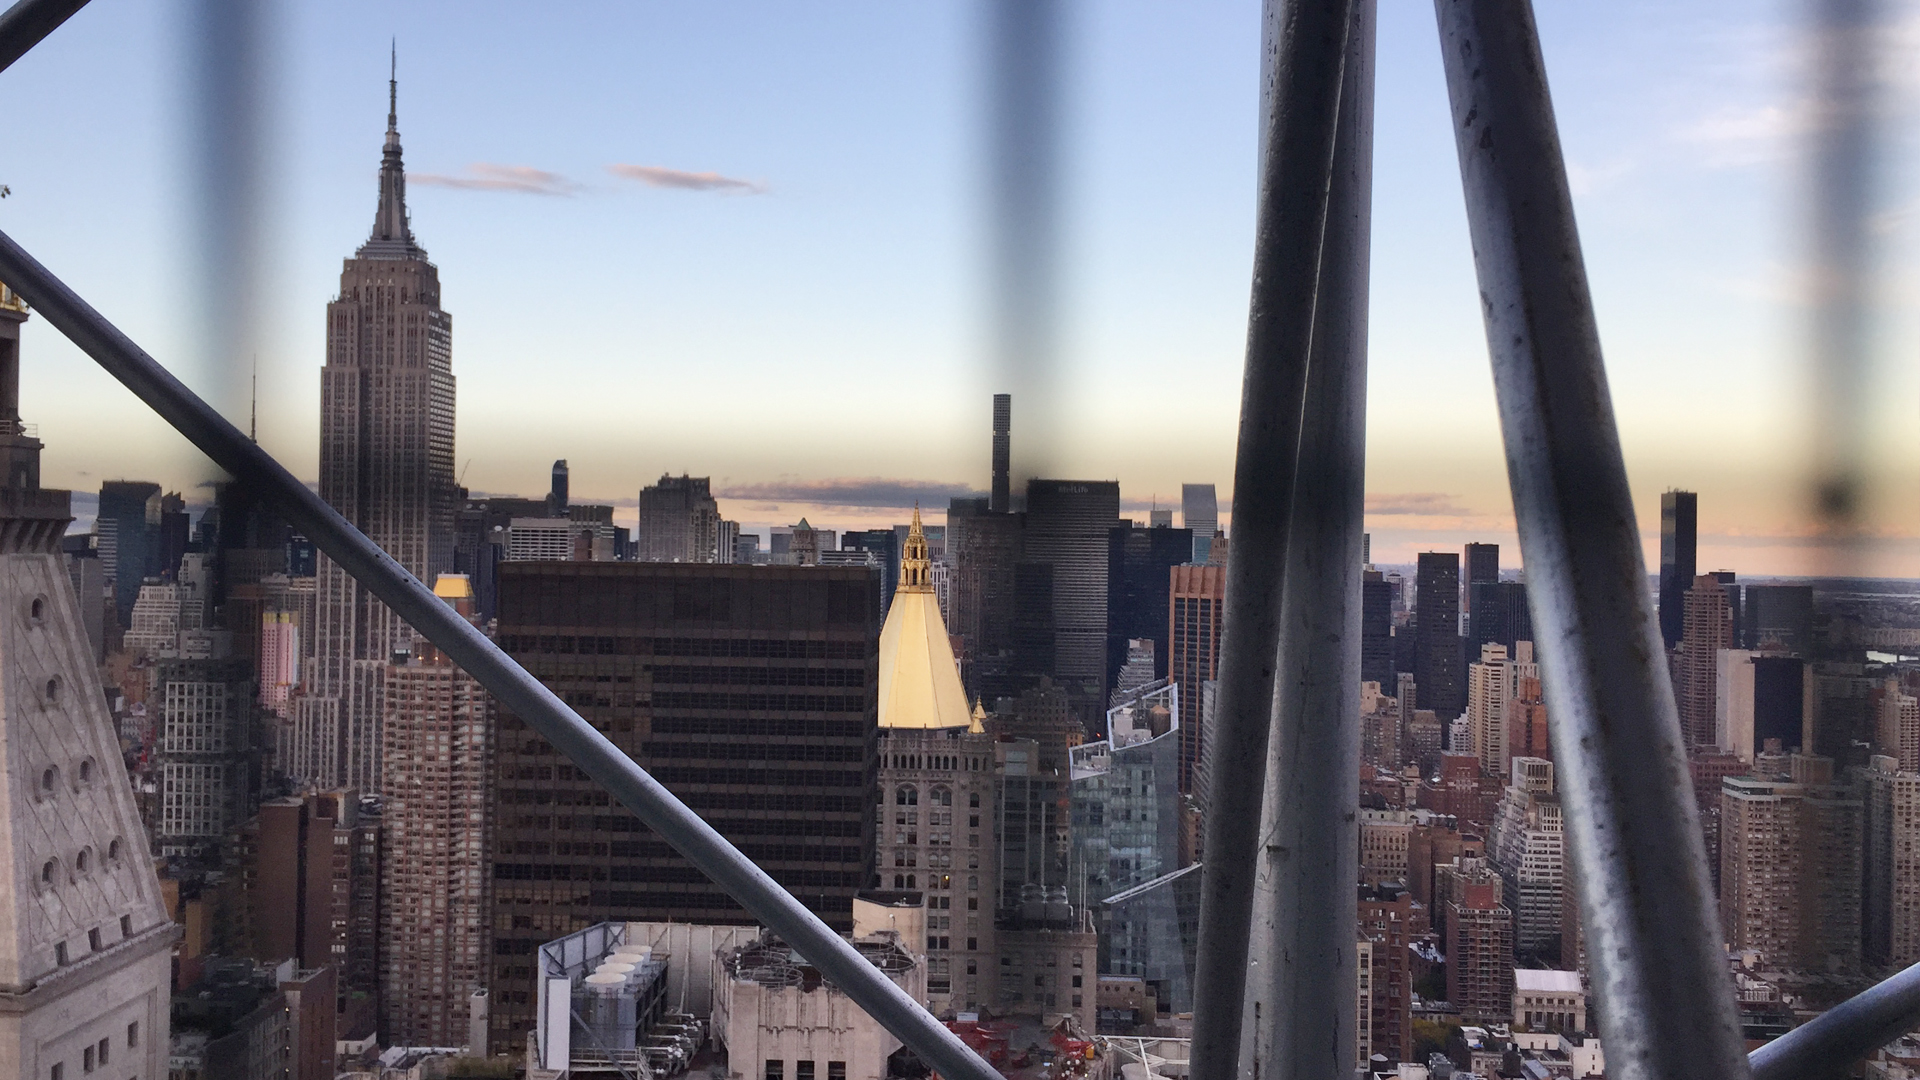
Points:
(1197, 612)
(436, 833)
(1437, 655)
(206, 755)
(1790, 867)
(751, 692)
(1708, 629)
(85, 953)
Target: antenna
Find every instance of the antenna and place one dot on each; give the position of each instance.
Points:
(253, 407)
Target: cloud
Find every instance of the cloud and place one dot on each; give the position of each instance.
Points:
(485, 176)
(660, 176)
(1415, 504)
(869, 491)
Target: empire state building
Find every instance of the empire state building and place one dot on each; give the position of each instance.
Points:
(386, 464)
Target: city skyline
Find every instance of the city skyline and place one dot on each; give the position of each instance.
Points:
(849, 244)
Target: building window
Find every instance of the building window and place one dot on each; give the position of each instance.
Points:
(776, 1069)
(105, 1045)
(803, 1070)
(93, 939)
(59, 1071)
(126, 926)
(86, 1060)
(836, 1070)
(60, 953)
(133, 1034)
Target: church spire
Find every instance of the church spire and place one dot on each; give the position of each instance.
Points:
(390, 219)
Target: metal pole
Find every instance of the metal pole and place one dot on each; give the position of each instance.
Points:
(1831, 1042)
(25, 23)
(1664, 993)
(514, 688)
(1301, 981)
(1310, 47)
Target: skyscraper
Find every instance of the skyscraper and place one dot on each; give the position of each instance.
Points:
(1067, 526)
(1482, 566)
(1138, 561)
(386, 464)
(1376, 629)
(1001, 499)
(1437, 656)
(749, 691)
(1679, 540)
(1777, 618)
(436, 832)
(1195, 617)
(679, 521)
(557, 493)
(86, 956)
(1790, 867)
(1890, 904)
(1489, 688)
(132, 507)
(1200, 512)
(1528, 849)
(1708, 628)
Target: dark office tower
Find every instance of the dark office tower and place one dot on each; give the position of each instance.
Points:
(884, 545)
(1376, 629)
(1499, 616)
(749, 691)
(133, 507)
(1679, 542)
(1777, 618)
(386, 464)
(175, 527)
(1437, 656)
(1483, 565)
(1138, 587)
(1002, 497)
(1200, 512)
(984, 549)
(1067, 526)
(557, 494)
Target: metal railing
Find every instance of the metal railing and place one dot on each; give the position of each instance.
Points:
(1272, 1003)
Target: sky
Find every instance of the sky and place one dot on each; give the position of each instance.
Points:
(746, 241)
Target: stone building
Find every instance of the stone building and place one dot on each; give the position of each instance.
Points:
(85, 953)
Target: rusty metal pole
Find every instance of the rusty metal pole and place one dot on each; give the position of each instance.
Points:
(1309, 53)
(1300, 1020)
(1664, 994)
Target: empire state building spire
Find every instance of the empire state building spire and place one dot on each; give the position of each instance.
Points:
(392, 237)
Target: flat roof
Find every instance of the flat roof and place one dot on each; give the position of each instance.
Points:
(1537, 980)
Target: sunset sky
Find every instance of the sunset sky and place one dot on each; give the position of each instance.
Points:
(744, 241)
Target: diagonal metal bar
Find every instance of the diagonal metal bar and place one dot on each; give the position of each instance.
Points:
(1300, 1023)
(1830, 1043)
(507, 681)
(1309, 54)
(1664, 994)
(23, 25)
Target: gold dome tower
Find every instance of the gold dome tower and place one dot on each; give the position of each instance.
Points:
(919, 681)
